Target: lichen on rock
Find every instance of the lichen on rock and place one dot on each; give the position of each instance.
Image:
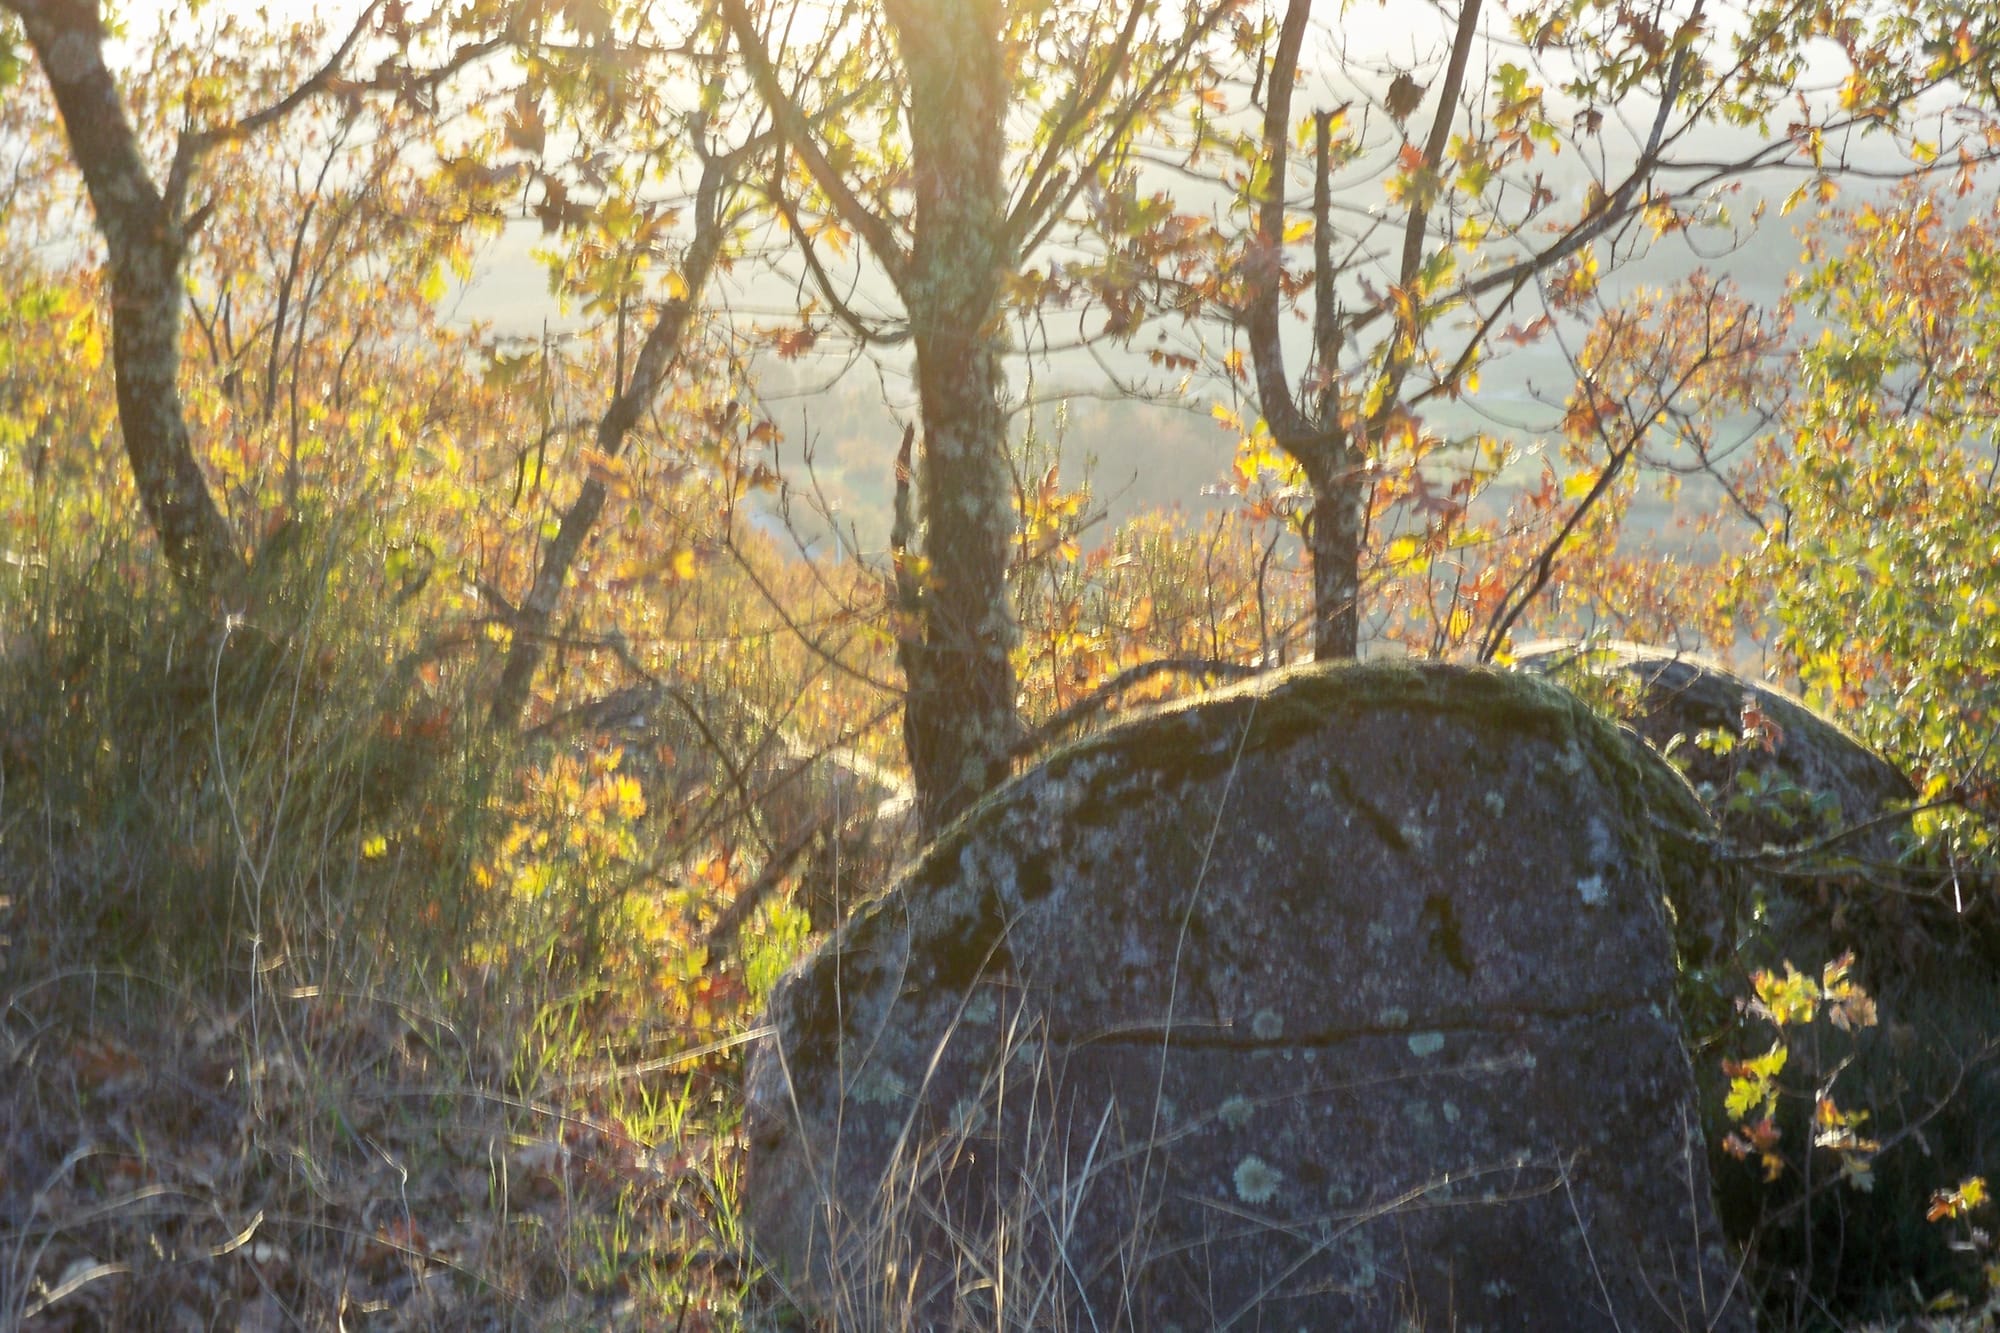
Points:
(1304, 916)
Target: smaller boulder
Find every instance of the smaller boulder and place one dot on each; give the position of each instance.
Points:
(1809, 871)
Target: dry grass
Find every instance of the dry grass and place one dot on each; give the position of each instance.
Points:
(261, 1071)
(261, 1068)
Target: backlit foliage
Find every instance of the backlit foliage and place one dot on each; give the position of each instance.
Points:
(1884, 566)
(284, 807)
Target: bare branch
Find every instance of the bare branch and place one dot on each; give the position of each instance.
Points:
(1260, 319)
(796, 128)
(1109, 691)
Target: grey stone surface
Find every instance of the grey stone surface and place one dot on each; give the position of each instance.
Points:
(1341, 1000)
(1809, 781)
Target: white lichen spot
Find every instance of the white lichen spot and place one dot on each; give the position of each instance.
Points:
(1319, 790)
(1395, 1016)
(1570, 760)
(1603, 847)
(1257, 1181)
(1495, 803)
(1235, 1112)
(1450, 1110)
(879, 1087)
(1266, 844)
(1381, 934)
(1591, 890)
(72, 56)
(1426, 1043)
(1362, 1251)
(1416, 835)
(1267, 1025)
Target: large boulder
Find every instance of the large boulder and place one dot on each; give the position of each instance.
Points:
(1340, 1000)
(1812, 845)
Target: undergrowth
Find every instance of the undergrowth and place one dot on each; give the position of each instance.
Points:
(320, 1006)
(324, 1007)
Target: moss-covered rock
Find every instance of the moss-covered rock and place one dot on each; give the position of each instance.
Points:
(1807, 872)
(1344, 997)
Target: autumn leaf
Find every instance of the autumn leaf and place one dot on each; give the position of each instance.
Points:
(1405, 95)
(791, 344)
(1947, 1205)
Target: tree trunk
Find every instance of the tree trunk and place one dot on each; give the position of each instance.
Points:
(960, 721)
(1306, 424)
(1334, 541)
(144, 243)
(657, 356)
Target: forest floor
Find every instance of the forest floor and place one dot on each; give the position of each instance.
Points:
(314, 1159)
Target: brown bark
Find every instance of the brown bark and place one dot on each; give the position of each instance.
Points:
(1308, 425)
(1339, 516)
(144, 243)
(959, 722)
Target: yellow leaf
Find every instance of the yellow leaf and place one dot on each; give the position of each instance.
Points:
(602, 468)
(683, 563)
(631, 800)
(374, 848)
